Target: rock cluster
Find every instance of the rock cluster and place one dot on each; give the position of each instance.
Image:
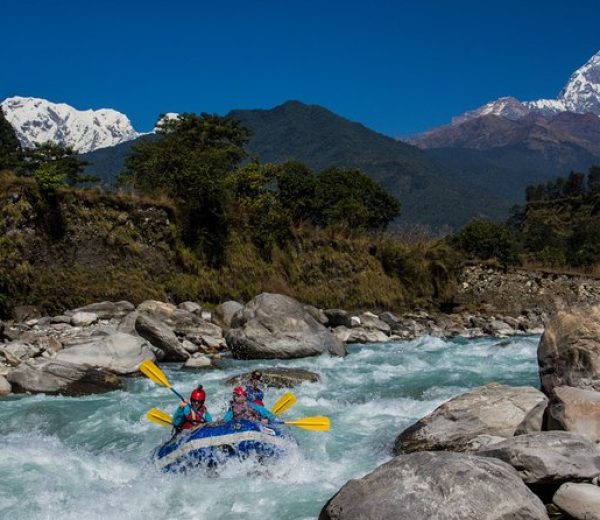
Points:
(543, 446)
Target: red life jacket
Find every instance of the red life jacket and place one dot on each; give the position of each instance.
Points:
(194, 418)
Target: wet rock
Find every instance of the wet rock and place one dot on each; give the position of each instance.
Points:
(83, 319)
(487, 410)
(278, 377)
(441, 486)
(548, 457)
(581, 501)
(192, 307)
(107, 349)
(107, 310)
(161, 336)
(338, 318)
(498, 328)
(197, 362)
(359, 335)
(5, 387)
(50, 376)
(575, 410)
(569, 350)
(277, 326)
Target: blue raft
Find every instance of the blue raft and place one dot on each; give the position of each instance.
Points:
(216, 443)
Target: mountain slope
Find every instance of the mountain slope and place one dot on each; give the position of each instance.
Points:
(322, 139)
(37, 120)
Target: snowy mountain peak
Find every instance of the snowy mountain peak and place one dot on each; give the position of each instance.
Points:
(581, 95)
(37, 120)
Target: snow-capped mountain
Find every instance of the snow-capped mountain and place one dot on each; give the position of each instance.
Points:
(581, 95)
(37, 120)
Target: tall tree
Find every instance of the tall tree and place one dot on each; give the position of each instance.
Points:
(594, 180)
(56, 164)
(575, 185)
(190, 162)
(10, 148)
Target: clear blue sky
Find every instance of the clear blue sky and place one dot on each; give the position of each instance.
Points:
(397, 67)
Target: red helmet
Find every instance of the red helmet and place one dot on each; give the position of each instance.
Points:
(238, 390)
(198, 394)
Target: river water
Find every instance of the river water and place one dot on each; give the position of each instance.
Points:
(88, 457)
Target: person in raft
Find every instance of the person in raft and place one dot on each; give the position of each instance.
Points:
(253, 388)
(241, 408)
(193, 413)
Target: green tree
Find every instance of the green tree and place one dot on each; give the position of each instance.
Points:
(574, 185)
(190, 162)
(64, 164)
(10, 148)
(483, 239)
(350, 197)
(593, 182)
(297, 185)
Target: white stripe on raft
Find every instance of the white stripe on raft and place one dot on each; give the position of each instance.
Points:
(231, 438)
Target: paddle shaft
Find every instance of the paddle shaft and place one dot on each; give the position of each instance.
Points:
(176, 393)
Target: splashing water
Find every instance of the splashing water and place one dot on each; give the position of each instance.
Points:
(89, 457)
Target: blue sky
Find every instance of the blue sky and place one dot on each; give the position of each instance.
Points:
(397, 67)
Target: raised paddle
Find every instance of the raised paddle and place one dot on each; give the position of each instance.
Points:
(159, 417)
(152, 372)
(284, 403)
(316, 424)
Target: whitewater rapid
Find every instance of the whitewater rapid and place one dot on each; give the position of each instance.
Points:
(88, 457)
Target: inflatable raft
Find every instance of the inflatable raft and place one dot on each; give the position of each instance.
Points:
(213, 444)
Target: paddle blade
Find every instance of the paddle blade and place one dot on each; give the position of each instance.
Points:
(159, 417)
(284, 403)
(151, 371)
(317, 424)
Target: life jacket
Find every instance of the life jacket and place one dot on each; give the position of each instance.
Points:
(243, 410)
(194, 418)
(255, 395)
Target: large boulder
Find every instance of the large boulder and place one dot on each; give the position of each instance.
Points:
(436, 486)
(278, 377)
(161, 336)
(224, 312)
(4, 386)
(569, 350)
(487, 410)
(338, 318)
(359, 335)
(107, 349)
(575, 410)
(581, 501)
(548, 457)
(277, 326)
(50, 376)
(83, 319)
(107, 310)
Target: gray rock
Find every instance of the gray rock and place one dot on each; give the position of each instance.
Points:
(5, 387)
(498, 328)
(581, 501)
(390, 318)
(482, 441)
(575, 410)
(192, 307)
(156, 307)
(22, 350)
(50, 376)
(533, 420)
(107, 310)
(197, 362)
(370, 321)
(338, 318)
(278, 377)
(223, 313)
(108, 350)
(569, 351)
(61, 319)
(127, 323)
(548, 457)
(317, 314)
(436, 486)
(487, 410)
(161, 337)
(277, 326)
(83, 319)
(360, 335)
(23, 313)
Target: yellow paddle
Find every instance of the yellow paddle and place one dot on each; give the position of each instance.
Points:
(284, 403)
(152, 372)
(317, 424)
(159, 417)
